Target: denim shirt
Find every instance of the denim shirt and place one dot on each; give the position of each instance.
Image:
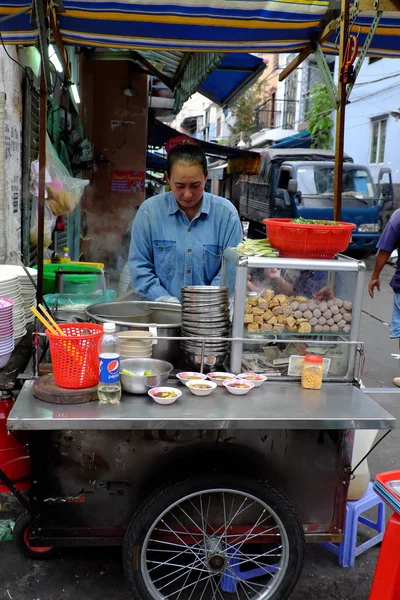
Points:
(169, 251)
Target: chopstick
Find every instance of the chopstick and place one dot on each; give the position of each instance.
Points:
(43, 320)
(52, 321)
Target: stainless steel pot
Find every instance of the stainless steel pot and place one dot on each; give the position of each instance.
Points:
(164, 321)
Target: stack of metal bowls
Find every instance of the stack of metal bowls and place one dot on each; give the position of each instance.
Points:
(205, 314)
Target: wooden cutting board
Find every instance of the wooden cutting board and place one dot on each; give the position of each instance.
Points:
(46, 389)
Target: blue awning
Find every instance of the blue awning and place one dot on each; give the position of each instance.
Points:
(159, 133)
(209, 25)
(182, 25)
(155, 162)
(232, 76)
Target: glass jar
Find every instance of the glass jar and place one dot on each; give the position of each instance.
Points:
(311, 378)
(65, 258)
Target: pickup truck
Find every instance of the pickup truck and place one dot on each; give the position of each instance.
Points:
(299, 183)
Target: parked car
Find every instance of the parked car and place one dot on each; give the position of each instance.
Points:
(299, 183)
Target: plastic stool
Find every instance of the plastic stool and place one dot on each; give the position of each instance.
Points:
(230, 579)
(386, 582)
(347, 550)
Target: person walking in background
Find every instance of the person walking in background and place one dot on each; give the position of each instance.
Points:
(389, 241)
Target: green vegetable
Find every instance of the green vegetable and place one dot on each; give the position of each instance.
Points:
(301, 221)
(126, 372)
(145, 374)
(256, 248)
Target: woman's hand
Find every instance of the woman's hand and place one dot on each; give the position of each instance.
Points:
(324, 293)
(272, 274)
(252, 287)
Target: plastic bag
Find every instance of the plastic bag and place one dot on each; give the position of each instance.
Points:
(49, 223)
(6, 531)
(63, 192)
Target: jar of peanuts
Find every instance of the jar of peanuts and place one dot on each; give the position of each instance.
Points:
(311, 378)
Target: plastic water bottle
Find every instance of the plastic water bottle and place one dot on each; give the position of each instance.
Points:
(109, 388)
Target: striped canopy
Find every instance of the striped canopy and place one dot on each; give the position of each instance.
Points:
(196, 25)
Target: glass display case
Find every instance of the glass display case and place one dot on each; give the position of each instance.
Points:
(285, 308)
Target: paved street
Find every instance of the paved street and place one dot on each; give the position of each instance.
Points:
(96, 573)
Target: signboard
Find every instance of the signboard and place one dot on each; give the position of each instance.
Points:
(127, 182)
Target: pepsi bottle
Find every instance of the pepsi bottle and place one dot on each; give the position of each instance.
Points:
(109, 388)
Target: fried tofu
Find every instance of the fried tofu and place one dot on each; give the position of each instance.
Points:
(268, 315)
(268, 295)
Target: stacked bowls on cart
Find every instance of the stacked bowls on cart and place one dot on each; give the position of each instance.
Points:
(28, 290)
(6, 331)
(10, 287)
(135, 344)
(205, 314)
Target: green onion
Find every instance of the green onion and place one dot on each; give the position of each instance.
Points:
(256, 248)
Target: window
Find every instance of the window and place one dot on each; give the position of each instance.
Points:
(219, 127)
(378, 140)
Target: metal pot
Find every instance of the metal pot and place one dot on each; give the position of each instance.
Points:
(164, 321)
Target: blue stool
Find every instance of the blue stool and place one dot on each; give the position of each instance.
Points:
(347, 550)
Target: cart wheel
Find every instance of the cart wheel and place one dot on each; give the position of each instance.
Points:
(21, 536)
(216, 536)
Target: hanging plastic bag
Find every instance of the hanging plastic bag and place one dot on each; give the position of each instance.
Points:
(49, 223)
(6, 531)
(63, 191)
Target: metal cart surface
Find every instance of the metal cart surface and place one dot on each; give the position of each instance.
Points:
(99, 472)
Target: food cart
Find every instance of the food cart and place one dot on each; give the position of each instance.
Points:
(211, 497)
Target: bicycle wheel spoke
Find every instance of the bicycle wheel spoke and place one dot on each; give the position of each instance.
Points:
(162, 564)
(190, 585)
(215, 586)
(173, 580)
(251, 535)
(180, 539)
(190, 519)
(166, 543)
(237, 514)
(193, 590)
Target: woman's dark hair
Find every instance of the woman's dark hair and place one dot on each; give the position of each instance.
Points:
(188, 153)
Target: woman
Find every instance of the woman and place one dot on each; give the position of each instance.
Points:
(178, 237)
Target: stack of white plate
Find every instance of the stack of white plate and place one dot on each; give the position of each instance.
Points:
(28, 290)
(6, 331)
(135, 344)
(10, 287)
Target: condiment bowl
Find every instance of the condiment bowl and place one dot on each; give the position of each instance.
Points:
(238, 391)
(209, 386)
(186, 376)
(140, 384)
(219, 377)
(255, 378)
(164, 390)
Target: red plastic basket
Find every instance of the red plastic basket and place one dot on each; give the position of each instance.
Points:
(308, 241)
(75, 355)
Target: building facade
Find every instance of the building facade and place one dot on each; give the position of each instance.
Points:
(372, 127)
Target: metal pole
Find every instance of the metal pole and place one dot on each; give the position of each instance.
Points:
(340, 115)
(42, 180)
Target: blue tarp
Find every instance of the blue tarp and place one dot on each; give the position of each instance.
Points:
(298, 140)
(234, 74)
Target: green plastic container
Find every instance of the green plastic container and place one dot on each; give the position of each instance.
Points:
(73, 284)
